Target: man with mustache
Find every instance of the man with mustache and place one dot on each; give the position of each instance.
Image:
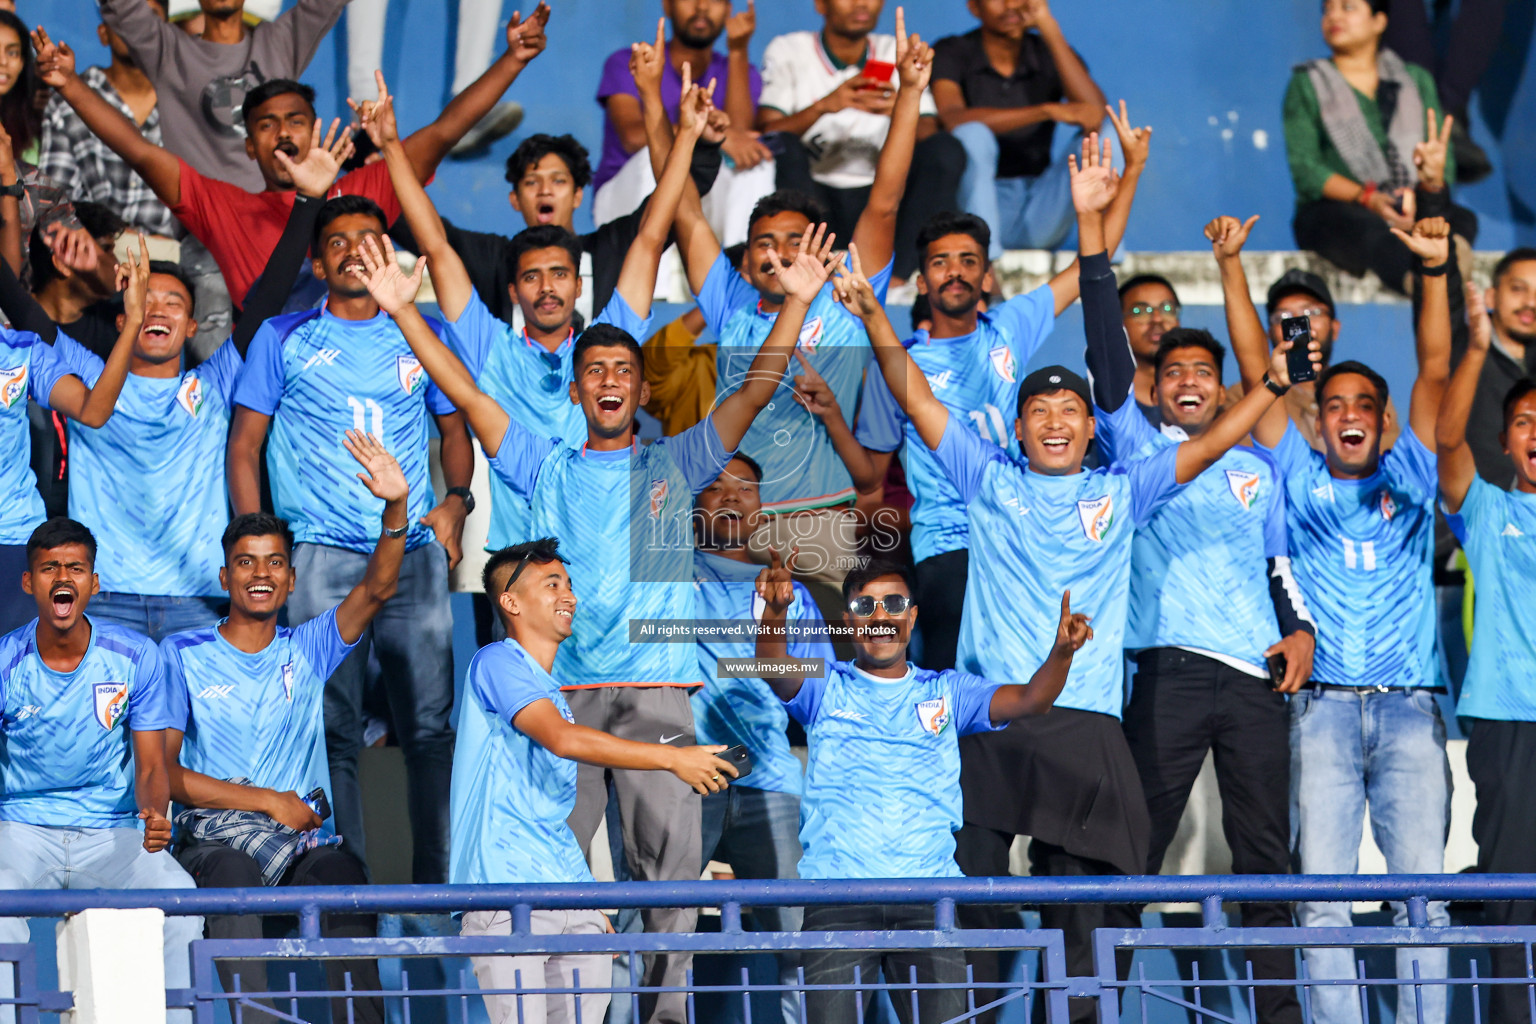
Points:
(1511, 304)
(85, 789)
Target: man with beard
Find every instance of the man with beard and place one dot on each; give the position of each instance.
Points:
(1511, 358)
(83, 709)
(882, 787)
(972, 360)
(624, 175)
(309, 377)
(1366, 732)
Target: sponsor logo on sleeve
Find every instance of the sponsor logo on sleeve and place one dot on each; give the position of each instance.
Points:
(1097, 516)
(111, 701)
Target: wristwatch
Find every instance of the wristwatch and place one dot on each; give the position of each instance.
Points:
(397, 532)
(463, 492)
(1275, 387)
(15, 190)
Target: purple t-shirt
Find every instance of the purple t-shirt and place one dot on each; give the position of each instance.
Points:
(617, 81)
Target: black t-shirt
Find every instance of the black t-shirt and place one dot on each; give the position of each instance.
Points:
(1023, 152)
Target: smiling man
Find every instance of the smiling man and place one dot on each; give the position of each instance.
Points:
(882, 785)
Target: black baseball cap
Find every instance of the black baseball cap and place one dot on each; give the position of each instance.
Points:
(1053, 378)
(1298, 280)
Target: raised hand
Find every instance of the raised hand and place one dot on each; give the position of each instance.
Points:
(1429, 155)
(76, 248)
(647, 61)
(313, 175)
(812, 391)
(1135, 143)
(289, 809)
(1094, 182)
(852, 288)
(377, 117)
(381, 473)
(914, 58)
(701, 769)
(811, 267)
(694, 106)
(133, 281)
(526, 38)
(1072, 630)
(390, 288)
(1479, 323)
(1430, 240)
(776, 584)
(1279, 370)
(740, 26)
(55, 61)
(1227, 235)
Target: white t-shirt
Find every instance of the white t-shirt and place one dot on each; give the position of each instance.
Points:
(845, 146)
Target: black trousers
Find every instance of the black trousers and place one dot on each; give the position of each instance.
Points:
(901, 967)
(1184, 705)
(1501, 758)
(216, 866)
(1357, 240)
(1474, 40)
(932, 184)
(940, 583)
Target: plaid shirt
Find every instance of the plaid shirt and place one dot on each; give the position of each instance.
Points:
(272, 845)
(74, 159)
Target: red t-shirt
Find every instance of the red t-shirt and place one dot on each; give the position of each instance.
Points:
(241, 228)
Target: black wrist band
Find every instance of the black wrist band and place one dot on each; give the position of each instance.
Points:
(1274, 388)
(1439, 271)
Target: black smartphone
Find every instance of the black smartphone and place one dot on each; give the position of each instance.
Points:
(1276, 665)
(1298, 361)
(318, 803)
(738, 757)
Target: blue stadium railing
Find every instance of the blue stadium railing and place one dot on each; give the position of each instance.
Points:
(1197, 999)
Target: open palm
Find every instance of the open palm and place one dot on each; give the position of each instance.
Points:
(381, 473)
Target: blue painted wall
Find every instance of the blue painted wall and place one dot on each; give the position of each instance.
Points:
(1207, 74)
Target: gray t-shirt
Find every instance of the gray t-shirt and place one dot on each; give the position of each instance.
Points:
(201, 85)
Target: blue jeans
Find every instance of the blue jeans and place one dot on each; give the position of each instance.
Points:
(412, 637)
(1023, 213)
(39, 857)
(156, 617)
(1385, 750)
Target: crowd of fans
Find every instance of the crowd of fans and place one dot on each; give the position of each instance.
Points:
(223, 562)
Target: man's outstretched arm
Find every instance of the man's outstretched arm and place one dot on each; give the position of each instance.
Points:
(382, 476)
(1454, 456)
(875, 232)
(1135, 144)
(1019, 700)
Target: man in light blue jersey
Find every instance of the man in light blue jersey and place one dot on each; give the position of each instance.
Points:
(1212, 600)
(1497, 530)
(83, 709)
(514, 786)
(1366, 731)
(974, 361)
(1040, 525)
(882, 786)
(246, 698)
(310, 377)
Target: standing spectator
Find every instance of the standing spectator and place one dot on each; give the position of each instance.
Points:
(1149, 308)
(73, 158)
(835, 111)
(1366, 733)
(1001, 89)
(882, 792)
(309, 377)
(1511, 357)
(1362, 137)
(1496, 526)
(624, 175)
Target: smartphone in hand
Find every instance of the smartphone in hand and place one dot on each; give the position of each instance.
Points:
(880, 70)
(318, 803)
(738, 757)
(1298, 361)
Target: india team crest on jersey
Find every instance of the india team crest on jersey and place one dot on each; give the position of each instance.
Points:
(933, 715)
(1388, 506)
(408, 370)
(1003, 363)
(1245, 486)
(288, 680)
(659, 490)
(13, 385)
(111, 699)
(810, 334)
(1097, 516)
(190, 395)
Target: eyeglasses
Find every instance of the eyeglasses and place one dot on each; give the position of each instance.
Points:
(864, 606)
(1309, 313)
(554, 379)
(522, 563)
(1144, 310)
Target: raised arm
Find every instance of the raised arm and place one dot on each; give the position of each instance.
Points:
(1250, 341)
(382, 476)
(93, 405)
(1019, 700)
(158, 167)
(1135, 143)
(815, 396)
(875, 232)
(1431, 243)
(542, 722)
(1095, 185)
(776, 586)
(1455, 463)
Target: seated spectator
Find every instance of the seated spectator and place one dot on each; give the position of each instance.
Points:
(246, 743)
(1361, 135)
(624, 175)
(1001, 89)
(1511, 303)
(879, 737)
(832, 93)
(19, 113)
(78, 162)
(1149, 309)
(85, 762)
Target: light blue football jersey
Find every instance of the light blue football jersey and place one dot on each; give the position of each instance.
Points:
(262, 715)
(510, 796)
(1199, 572)
(1497, 530)
(882, 784)
(150, 483)
(801, 469)
(1362, 553)
(532, 384)
(28, 369)
(977, 378)
(1034, 536)
(625, 525)
(747, 711)
(66, 757)
(319, 376)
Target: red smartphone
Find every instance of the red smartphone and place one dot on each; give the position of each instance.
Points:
(879, 70)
